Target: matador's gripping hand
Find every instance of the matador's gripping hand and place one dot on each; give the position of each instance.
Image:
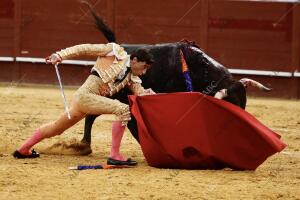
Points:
(53, 59)
(148, 91)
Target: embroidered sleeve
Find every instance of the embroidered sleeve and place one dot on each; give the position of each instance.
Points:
(135, 85)
(85, 50)
(136, 88)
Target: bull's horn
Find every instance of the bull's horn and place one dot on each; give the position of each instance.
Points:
(249, 82)
(221, 94)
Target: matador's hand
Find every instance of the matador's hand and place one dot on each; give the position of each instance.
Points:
(148, 91)
(53, 59)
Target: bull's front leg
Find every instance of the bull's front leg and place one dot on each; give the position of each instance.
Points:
(132, 126)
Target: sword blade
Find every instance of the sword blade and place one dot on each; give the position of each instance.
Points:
(62, 91)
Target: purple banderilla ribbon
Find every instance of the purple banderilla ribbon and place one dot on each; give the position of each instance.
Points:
(85, 167)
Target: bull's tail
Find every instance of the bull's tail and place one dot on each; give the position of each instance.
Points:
(249, 82)
(100, 24)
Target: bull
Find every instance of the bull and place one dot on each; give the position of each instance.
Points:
(165, 76)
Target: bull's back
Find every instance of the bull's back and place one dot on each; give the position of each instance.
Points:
(165, 75)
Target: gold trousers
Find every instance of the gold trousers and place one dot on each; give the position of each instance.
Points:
(87, 100)
(90, 101)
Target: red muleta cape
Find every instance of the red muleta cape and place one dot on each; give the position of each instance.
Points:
(196, 131)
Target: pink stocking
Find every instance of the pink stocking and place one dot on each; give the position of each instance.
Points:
(35, 138)
(117, 134)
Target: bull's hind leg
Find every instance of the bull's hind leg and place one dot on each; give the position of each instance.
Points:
(87, 135)
(88, 124)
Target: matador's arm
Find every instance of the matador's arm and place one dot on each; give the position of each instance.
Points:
(85, 50)
(136, 87)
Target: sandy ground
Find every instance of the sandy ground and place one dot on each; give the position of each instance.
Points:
(23, 109)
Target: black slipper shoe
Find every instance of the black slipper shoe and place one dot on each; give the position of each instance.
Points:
(33, 154)
(129, 162)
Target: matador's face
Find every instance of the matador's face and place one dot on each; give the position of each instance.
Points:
(138, 68)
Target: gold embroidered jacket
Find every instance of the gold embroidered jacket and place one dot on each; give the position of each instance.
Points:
(109, 74)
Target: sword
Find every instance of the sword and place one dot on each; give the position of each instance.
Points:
(62, 91)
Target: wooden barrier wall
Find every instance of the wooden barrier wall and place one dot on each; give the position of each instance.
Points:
(243, 35)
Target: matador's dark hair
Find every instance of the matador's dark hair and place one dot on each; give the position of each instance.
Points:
(143, 55)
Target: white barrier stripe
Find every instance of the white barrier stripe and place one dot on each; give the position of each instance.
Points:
(42, 60)
(7, 59)
(32, 60)
(260, 73)
(296, 74)
(91, 63)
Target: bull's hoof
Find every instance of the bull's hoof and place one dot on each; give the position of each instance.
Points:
(82, 148)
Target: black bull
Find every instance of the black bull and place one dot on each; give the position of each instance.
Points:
(165, 76)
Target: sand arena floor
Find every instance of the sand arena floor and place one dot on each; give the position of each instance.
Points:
(23, 109)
